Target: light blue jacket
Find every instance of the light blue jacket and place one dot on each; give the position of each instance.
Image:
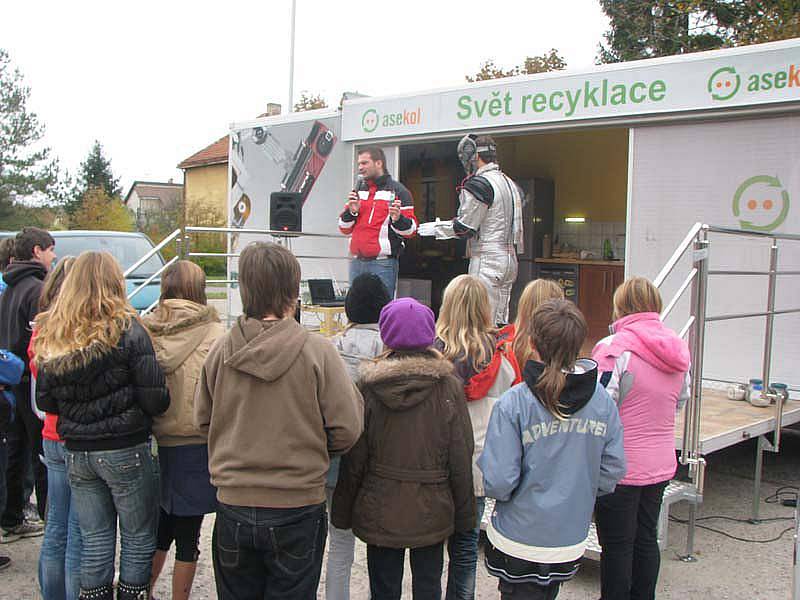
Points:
(545, 472)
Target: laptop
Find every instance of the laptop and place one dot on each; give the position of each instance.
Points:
(321, 291)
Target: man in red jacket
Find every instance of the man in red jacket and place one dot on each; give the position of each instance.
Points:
(378, 216)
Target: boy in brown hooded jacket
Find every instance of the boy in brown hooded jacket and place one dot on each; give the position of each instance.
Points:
(276, 402)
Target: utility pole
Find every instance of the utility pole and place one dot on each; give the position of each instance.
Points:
(291, 57)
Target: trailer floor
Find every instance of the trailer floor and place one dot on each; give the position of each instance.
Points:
(726, 569)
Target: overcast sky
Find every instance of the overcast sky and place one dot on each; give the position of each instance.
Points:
(157, 81)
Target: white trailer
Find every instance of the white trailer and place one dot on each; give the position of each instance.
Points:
(641, 150)
(642, 153)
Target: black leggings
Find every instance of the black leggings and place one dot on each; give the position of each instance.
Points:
(186, 533)
(627, 523)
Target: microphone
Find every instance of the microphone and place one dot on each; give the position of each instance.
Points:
(359, 182)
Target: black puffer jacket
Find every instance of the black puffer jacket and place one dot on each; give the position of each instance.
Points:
(105, 397)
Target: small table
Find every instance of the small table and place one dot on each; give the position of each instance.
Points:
(330, 318)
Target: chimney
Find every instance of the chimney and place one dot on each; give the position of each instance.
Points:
(273, 108)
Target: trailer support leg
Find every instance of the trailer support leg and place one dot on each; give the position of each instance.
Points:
(757, 479)
(796, 565)
(689, 556)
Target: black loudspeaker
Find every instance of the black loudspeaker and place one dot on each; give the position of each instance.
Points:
(286, 211)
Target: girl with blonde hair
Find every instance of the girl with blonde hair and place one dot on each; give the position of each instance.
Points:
(645, 367)
(535, 293)
(467, 337)
(98, 372)
(60, 556)
(183, 328)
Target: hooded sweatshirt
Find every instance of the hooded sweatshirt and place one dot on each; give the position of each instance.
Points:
(482, 389)
(408, 481)
(182, 332)
(545, 472)
(275, 401)
(647, 367)
(19, 305)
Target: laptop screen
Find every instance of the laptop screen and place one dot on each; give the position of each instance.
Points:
(321, 290)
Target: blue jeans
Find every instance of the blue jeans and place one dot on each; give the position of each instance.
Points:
(60, 558)
(462, 547)
(268, 553)
(111, 484)
(385, 268)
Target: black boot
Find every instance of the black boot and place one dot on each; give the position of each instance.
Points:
(103, 592)
(125, 591)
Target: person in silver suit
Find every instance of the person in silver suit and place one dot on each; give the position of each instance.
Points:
(490, 217)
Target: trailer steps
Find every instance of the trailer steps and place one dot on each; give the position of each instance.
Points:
(676, 491)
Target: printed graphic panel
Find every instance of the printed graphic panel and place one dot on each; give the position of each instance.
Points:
(739, 174)
(307, 157)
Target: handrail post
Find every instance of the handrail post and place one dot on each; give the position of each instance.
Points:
(767, 365)
(691, 441)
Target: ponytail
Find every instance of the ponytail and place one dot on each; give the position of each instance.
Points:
(558, 331)
(549, 387)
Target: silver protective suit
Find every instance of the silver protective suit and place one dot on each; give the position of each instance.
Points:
(495, 236)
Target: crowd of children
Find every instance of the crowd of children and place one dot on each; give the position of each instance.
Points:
(394, 433)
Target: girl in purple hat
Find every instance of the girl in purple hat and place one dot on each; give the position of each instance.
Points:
(407, 483)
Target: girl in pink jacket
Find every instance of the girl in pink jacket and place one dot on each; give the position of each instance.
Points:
(644, 366)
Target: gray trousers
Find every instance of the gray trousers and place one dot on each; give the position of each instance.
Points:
(341, 549)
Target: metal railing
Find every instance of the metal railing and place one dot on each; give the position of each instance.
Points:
(182, 239)
(697, 239)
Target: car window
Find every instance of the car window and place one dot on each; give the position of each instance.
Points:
(127, 250)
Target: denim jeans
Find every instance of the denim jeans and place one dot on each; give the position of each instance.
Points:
(60, 557)
(341, 550)
(385, 268)
(462, 548)
(385, 567)
(268, 553)
(627, 523)
(111, 484)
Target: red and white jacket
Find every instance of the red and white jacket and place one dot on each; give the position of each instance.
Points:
(373, 235)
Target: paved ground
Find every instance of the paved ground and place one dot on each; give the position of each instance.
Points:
(726, 569)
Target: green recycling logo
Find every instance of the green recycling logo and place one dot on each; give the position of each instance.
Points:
(724, 83)
(761, 203)
(369, 120)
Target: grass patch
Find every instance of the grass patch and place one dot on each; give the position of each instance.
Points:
(216, 295)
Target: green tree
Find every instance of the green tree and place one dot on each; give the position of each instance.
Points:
(650, 29)
(26, 167)
(743, 22)
(549, 61)
(309, 101)
(94, 172)
(100, 211)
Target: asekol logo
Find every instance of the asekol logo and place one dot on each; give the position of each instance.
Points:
(761, 203)
(371, 119)
(724, 83)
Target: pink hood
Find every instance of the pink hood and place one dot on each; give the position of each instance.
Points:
(646, 336)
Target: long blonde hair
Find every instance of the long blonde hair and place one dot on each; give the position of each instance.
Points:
(465, 322)
(535, 294)
(92, 307)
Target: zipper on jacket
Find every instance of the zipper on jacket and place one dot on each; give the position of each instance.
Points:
(371, 212)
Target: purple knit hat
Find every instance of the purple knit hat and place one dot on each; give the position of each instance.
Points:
(406, 324)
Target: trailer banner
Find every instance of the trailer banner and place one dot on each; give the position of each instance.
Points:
(751, 76)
